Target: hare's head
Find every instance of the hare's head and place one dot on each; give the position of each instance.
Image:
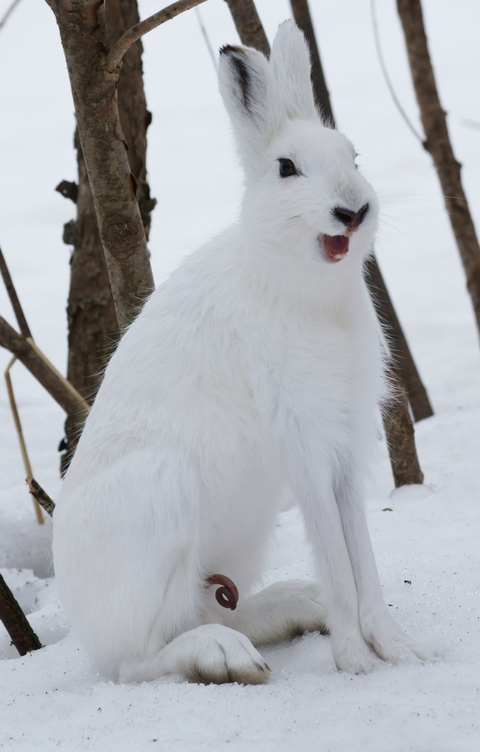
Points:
(302, 185)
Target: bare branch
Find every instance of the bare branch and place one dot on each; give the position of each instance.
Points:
(119, 49)
(33, 359)
(12, 294)
(8, 13)
(15, 621)
(41, 496)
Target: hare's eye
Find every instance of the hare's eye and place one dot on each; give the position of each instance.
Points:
(287, 168)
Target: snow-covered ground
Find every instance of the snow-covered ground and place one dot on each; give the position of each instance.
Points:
(427, 543)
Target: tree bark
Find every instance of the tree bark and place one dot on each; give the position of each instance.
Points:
(134, 116)
(114, 187)
(399, 432)
(400, 351)
(15, 621)
(439, 147)
(92, 321)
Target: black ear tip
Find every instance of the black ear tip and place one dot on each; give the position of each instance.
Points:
(229, 49)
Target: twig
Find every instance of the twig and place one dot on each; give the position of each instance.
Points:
(12, 294)
(132, 35)
(15, 621)
(381, 60)
(41, 496)
(206, 38)
(21, 440)
(8, 13)
(68, 190)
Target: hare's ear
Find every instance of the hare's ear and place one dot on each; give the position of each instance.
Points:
(251, 100)
(290, 62)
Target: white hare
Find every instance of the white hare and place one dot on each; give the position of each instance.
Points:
(255, 366)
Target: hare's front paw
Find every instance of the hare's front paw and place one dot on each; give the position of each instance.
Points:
(354, 657)
(390, 642)
(217, 655)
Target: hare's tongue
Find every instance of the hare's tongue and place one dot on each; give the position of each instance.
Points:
(335, 247)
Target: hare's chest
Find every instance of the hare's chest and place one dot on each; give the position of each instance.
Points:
(306, 371)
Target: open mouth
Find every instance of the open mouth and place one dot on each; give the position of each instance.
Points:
(334, 247)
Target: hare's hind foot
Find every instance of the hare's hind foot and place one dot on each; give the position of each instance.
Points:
(279, 612)
(209, 654)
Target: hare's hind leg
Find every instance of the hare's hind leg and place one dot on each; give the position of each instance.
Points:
(280, 612)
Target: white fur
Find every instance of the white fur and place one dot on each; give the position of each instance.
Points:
(255, 366)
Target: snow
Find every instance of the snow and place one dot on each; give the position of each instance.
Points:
(425, 538)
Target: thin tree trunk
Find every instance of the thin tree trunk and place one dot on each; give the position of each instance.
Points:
(92, 321)
(399, 432)
(400, 351)
(438, 145)
(15, 621)
(134, 116)
(114, 188)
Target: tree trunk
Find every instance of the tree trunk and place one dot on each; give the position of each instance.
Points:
(114, 187)
(438, 145)
(399, 432)
(92, 321)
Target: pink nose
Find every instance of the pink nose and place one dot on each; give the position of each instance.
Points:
(349, 218)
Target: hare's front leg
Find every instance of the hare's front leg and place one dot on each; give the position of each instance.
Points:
(324, 528)
(313, 487)
(378, 627)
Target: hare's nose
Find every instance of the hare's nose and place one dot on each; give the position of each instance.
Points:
(349, 218)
